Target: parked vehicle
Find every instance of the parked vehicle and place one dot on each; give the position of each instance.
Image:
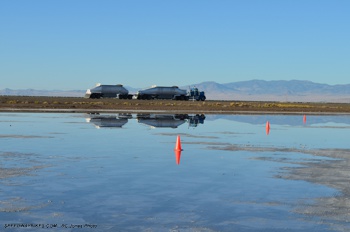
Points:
(195, 94)
(174, 93)
(155, 92)
(108, 91)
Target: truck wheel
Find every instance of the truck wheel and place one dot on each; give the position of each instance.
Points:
(95, 96)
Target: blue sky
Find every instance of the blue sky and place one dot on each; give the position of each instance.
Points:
(73, 44)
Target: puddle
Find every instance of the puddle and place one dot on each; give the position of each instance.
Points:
(119, 172)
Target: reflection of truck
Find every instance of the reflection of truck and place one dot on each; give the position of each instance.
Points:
(153, 120)
(108, 91)
(174, 93)
(107, 121)
(194, 120)
(161, 120)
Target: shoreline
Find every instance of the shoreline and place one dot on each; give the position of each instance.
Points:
(101, 111)
(110, 105)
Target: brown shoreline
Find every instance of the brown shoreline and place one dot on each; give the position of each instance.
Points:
(76, 104)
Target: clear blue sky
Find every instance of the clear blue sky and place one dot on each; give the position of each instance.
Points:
(73, 44)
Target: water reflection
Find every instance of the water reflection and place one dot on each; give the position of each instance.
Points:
(177, 156)
(267, 128)
(159, 120)
(57, 169)
(290, 120)
(152, 120)
(107, 121)
(176, 120)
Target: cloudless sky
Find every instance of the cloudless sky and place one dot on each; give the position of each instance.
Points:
(73, 44)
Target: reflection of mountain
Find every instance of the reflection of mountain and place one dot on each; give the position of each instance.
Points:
(107, 121)
(153, 120)
(291, 120)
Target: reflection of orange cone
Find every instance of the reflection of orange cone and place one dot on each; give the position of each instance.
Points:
(304, 119)
(178, 144)
(177, 156)
(267, 127)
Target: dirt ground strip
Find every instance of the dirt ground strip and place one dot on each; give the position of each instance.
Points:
(72, 104)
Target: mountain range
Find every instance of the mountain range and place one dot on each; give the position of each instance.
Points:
(49, 93)
(294, 91)
(253, 90)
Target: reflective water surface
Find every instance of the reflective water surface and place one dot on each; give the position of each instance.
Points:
(99, 172)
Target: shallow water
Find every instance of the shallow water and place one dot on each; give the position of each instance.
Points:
(80, 172)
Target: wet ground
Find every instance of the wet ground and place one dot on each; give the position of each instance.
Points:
(119, 172)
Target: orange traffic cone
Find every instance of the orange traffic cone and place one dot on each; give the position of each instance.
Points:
(178, 144)
(267, 127)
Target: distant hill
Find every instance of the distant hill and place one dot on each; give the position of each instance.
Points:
(50, 93)
(293, 90)
(253, 90)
